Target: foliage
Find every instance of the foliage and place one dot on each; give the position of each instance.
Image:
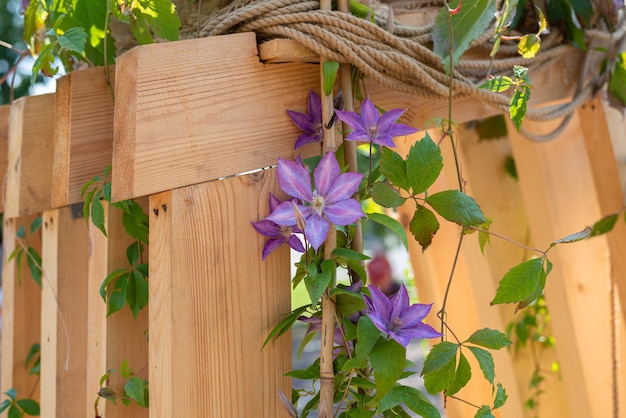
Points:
(23, 248)
(18, 407)
(135, 388)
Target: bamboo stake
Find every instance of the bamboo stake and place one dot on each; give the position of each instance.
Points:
(327, 375)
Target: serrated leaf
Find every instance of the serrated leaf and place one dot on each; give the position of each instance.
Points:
(108, 394)
(438, 380)
(489, 338)
(390, 223)
(92, 15)
(497, 84)
(517, 106)
(14, 412)
(137, 292)
(73, 40)
(329, 72)
(350, 254)
(316, 283)
(457, 207)
(135, 221)
(393, 166)
(468, 24)
(116, 301)
(578, 236)
(133, 253)
(284, 325)
(484, 412)
(617, 79)
(604, 225)
(461, 377)
(367, 336)
(501, 397)
(385, 195)
(413, 398)
(33, 260)
(29, 406)
(424, 226)
(520, 282)
(97, 213)
(135, 388)
(109, 279)
(529, 45)
(44, 63)
(485, 361)
(423, 164)
(388, 359)
(439, 356)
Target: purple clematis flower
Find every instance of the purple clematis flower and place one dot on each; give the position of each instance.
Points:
(278, 234)
(330, 202)
(310, 123)
(371, 126)
(395, 317)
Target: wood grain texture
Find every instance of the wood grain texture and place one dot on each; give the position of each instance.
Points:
(83, 132)
(119, 337)
(202, 115)
(213, 302)
(21, 312)
(4, 145)
(65, 252)
(560, 198)
(29, 176)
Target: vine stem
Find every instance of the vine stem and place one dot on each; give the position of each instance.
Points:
(510, 240)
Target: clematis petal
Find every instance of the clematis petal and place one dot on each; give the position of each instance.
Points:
(325, 173)
(301, 120)
(316, 230)
(352, 119)
(274, 202)
(295, 180)
(283, 215)
(267, 228)
(381, 304)
(401, 337)
(344, 213)
(400, 129)
(417, 331)
(414, 314)
(385, 140)
(306, 138)
(389, 118)
(295, 243)
(400, 302)
(271, 245)
(315, 107)
(344, 187)
(369, 113)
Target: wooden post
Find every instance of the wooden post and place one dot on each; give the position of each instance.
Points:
(4, 147)
(83, 134)
(29, 177)
(213, 303)
(560, 198)
(65, 255)
(21, 312)
(119, 337)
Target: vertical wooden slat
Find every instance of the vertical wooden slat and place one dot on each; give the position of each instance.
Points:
(21, 312)
(560, 198)
(29, 176)
(4, 147)
(65, 247)
(213, 302)
(119, 337)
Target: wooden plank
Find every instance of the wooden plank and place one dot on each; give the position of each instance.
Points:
(21, 312)
(83, 132)
(4, 145)
(170, 132)
(119, 337)
(29, 177)
(560, 198)
(472, 289)
(65, 250)
(213, 302)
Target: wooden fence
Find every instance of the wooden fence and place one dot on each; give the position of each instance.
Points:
(190, 115)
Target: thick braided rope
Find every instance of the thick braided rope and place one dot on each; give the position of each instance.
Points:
(401, 60)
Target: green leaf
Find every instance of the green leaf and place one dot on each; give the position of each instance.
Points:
(422, 407)
(316, 283)
(578, 236)
(135, 221)
(311, 372)
(135, 388)
(387, 359)
(440, 379)
(528, 46)
(604, 225)
(390, 223)
(489, 338)
(109, 279)
(73, 40)
(97, 213)
(439, 356)
(386, 196)
(468, 24)
(14, 412)
(34, 265)
(35, 349)
(497, 84)
(424, 226)
(358, 412)
(461, 377)
(158, 15)
(108, 394)
(21, 232)
(35, 224)
(517, 106)
(349, 304)
(133, 253)
(116, 301)
(485, 361)
(4, 405)
(493, 127)
(520, 282)
(305, 341)
(350, 254)
(457, 207)
(29, 406)
(125, 371)
(44, 63)
(286, 324)
(362, 382)
(413, 398)
(11, 393)
(329, 72)
(484, 412)
(423, 164)
(367, 337)
(137, 292)
(617, 79)
(393, 166)
(501, 397)
(91, 15)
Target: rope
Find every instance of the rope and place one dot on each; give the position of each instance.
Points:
(403, 60)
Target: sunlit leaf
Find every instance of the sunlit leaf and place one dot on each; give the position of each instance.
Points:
(423, 164)
(329, 72)
(489, 338)
(424, 226)
(497, 84)
(393, 166)
(604, 225)
(457, 207)
(529, 45)
(520, 282)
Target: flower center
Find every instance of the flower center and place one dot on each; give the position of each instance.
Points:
(318, 203)
(372, 131)
(396, 324)
(286, 231)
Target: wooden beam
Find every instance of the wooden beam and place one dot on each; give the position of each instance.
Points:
(215, 105)
(213, 302)
(21, 312)
(83, 132)
(4, 145)
(560, 198)
(119, 337)
(29, 177)
(65, 255)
